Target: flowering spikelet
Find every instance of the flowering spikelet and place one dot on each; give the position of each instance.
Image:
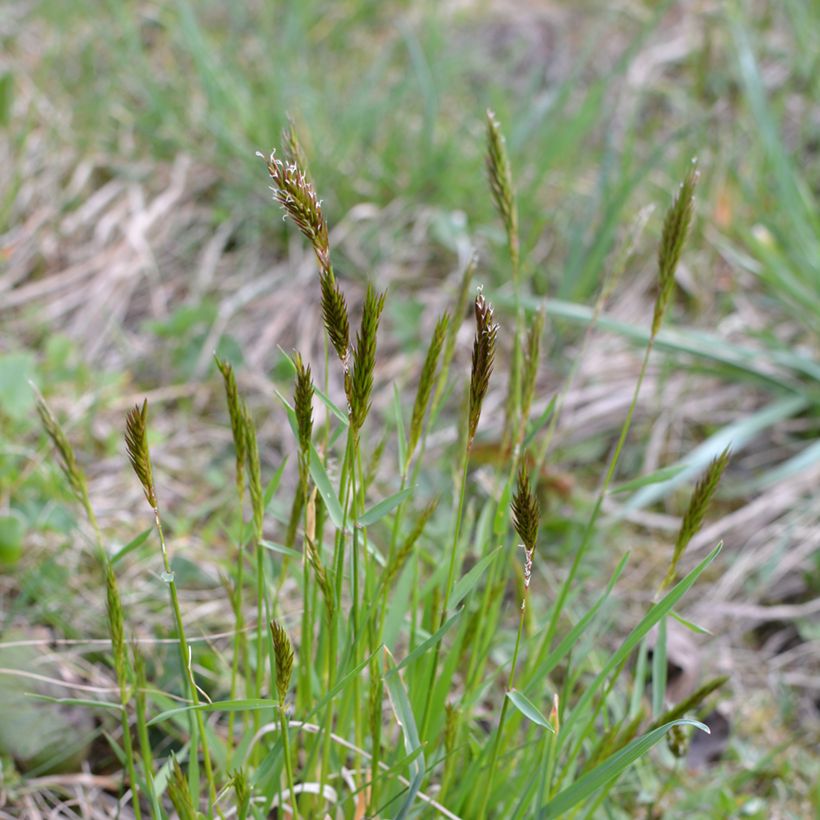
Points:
(322, 578)
(696, 511)
(292, 148)
(525, 510)
(395, 566)
(428, 373)
(483, 358)
(180, 793)
(364, 358)
(136, 442)
(68, 461)
(303, 403)
(116, 625)
(500, 176)
(293, 191)
(526, 517)
(237, 419)
(283, 652)
(675, 229)
(334, 316)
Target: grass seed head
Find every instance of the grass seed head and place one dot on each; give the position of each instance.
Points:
(526, 517)
(675, 230)
(406, 549)
(334, 316)
(283, 652)
(322, 577)
(180, 793)
(116, 623)
(242, 789)
(236, 416)
(292, 148)
(364, 358)
(425, 388)
(294, 192)
(499, 173)
(136, 442)
(696, 511)
(483, 359)
(303, 403)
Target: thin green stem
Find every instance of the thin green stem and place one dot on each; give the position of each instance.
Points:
(185, 660)
(586, 539)
(283, 722)
(465, 460)
(497, 741)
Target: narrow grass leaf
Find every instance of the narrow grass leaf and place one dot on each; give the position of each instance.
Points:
(690, 625)
(401, 435)
(380, 510)
(132, 545)
(322, 482)
(93, 704)
(540, 423)
(562, 650)
(659, 670)
(468, 582)
(529, 709)
(273, 484)
(407, 722)
(664, 474)
(656, 612)
(431, 641)
(609, 770)
(242, 705)
(281, 549)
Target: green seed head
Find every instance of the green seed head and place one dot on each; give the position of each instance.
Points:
(136, 442)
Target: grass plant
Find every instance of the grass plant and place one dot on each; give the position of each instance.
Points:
(385, 704)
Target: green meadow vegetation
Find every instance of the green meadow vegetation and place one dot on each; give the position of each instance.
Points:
(472, 473)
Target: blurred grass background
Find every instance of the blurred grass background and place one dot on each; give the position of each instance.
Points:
(137, 235)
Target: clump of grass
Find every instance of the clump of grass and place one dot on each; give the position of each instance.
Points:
(388, 603)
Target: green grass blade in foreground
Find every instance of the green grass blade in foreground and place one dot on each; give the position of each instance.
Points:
(404, 715)
(431, 641)
(468, 582)
(610, 769)
(281, 549)
(322, 482)
(659, 476)
(378, 511)
(529, 709)
(565, 646)
(133, 544)
(656, 612)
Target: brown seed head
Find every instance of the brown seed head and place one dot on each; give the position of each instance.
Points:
(483, 359)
